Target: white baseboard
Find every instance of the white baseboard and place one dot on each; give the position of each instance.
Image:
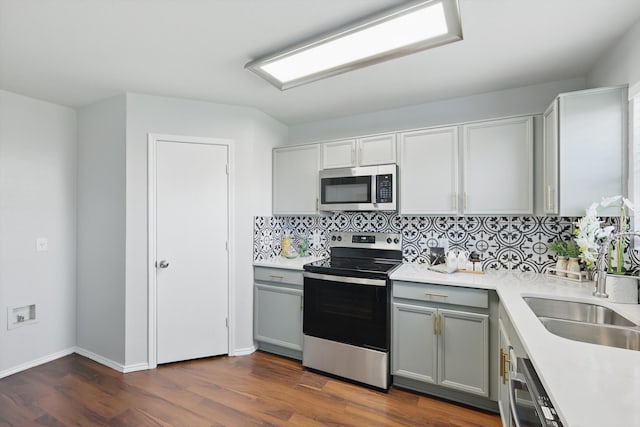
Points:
(136, 367)
(110, 363)
(36, 362)
(243, 351)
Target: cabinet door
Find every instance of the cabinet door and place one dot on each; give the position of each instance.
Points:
(498, 167)
(463, 353)
(503, 382)
(339, 154)
(414, 342)
(429, 171)
(550, 159)
(377, 150)
(295, 180)
(592, 143)
(278, 316)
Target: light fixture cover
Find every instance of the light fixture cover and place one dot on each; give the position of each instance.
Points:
(393, 33)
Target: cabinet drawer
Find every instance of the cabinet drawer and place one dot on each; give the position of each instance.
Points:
(278, 275)
(442, 294)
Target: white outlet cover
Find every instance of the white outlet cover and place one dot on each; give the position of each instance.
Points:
(42, 244)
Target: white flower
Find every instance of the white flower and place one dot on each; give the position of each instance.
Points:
(589, 231)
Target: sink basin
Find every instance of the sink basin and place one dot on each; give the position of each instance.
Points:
(611, 336)
(585, 322)
(576, 311)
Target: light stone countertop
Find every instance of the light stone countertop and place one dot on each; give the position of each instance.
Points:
(287, 263)
(589, 385)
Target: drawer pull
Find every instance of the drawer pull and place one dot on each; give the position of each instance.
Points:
(276, 277)
(436, 295)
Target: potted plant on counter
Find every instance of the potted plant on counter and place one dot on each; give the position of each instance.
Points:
(573, 265)
(560, 249)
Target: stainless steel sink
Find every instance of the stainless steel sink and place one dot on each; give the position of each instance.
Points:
(585, 322)
(576, 311)
(595, 334)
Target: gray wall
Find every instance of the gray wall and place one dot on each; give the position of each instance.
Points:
(37, 199)
(511, 102)
(621, 64)
(101, 229)
(254, 135)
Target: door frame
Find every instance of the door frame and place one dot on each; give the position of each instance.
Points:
(152, 140)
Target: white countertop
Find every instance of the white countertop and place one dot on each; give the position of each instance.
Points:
(288, 263)
(590, 385)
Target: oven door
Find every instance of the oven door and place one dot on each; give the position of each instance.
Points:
(349, 310)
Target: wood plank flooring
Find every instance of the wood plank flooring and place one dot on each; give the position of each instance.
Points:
(256, 390)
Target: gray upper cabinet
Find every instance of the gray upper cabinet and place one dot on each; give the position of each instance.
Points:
(476, 168)
(295, 180)
(428, 161)
(498, 167)
(365, 151)
(585, 135)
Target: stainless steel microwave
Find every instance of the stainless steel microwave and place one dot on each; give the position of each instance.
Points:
(367, 188)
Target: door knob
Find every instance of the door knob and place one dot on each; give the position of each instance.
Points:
(163, 264)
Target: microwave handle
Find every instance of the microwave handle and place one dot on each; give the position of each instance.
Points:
(514, 378)
(374, 189)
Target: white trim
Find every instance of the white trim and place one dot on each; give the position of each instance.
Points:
(243, 351)
(37, 362)
(634, 90)
(152, 140)
(135, 367)
(100, 359)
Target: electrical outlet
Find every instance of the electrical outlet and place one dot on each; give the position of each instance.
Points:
(42, 244)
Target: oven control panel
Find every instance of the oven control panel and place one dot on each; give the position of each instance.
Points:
(389, 241)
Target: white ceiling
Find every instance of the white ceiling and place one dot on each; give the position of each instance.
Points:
(75, 52)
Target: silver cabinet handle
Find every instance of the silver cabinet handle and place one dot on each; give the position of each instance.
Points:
(163, 264)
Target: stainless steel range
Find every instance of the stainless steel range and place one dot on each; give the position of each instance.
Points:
(347, 300)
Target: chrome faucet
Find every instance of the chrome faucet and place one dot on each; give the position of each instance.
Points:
(600, 290)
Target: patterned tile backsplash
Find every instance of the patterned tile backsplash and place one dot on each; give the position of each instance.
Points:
(504, 243)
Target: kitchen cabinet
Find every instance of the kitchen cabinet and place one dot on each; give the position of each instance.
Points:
(498, 167)
(295, 180)
(585, 139)
(365, 151)
(428, 162)
(433, 343)
(475, 168)
(278, 304)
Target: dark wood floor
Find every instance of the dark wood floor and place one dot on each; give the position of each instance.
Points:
(260, 389)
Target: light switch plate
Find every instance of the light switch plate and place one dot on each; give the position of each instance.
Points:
(42, 244)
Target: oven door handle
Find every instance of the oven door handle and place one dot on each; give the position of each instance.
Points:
(514, 378)
(345, 279)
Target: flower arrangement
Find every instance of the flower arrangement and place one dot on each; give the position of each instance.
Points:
(590, 234)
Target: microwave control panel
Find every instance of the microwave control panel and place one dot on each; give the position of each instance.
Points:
(384, 188)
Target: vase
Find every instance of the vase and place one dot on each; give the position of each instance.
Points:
(561, 266)
(573, 265)
(622, 289)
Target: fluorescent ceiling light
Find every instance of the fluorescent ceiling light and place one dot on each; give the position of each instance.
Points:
(397, 32)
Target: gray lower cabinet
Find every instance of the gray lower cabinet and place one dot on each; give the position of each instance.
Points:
(440, 341)
(278, 312)
(440, 346)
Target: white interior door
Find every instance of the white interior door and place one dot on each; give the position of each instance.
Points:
(191, 250)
